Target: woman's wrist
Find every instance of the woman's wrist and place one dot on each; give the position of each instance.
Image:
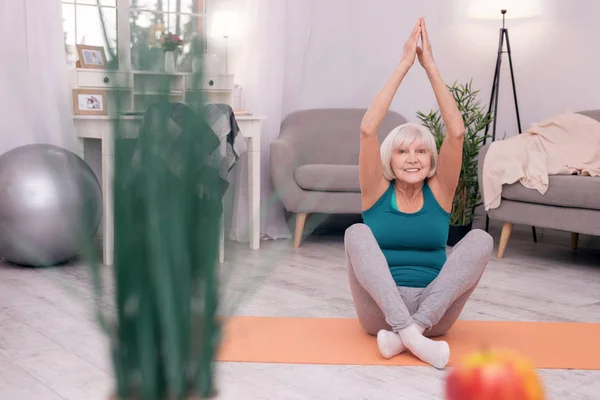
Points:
(403, 66)
(431, 69)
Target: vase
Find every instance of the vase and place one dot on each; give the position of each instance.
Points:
(457, 233)
(169, 62)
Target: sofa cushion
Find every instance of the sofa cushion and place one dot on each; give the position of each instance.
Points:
(328, 178)
(575, 191)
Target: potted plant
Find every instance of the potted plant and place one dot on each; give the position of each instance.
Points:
(475, 118)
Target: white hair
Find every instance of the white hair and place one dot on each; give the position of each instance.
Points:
(403, 136)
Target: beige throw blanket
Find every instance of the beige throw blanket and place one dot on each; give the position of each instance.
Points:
(564, 144)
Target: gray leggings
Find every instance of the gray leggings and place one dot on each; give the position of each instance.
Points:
(380, 304)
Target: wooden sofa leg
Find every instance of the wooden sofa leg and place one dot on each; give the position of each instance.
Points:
(574, 240)
(300, 220)
(504, 236)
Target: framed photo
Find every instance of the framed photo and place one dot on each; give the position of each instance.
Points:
(91, 57)
(90, 102)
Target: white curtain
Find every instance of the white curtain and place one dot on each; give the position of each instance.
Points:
(259, 60)
(35, 105)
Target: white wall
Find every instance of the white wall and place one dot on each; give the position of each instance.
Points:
(348, 51)
(348, 48)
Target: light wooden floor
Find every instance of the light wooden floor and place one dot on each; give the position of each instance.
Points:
(51, 349)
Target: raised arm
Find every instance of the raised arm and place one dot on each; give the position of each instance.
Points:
(372, 182)
(450, 158)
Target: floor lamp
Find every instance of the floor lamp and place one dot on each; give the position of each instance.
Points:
(225, 25)
(503, 37)
(496, 82)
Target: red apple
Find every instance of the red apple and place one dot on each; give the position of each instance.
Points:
(494, 375)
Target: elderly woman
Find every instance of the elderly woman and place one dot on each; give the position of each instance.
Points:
(405, 287)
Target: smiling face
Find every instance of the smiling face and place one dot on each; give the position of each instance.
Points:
(409, 154)
(411, 162)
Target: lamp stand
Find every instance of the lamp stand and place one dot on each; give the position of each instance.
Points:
(496, 89)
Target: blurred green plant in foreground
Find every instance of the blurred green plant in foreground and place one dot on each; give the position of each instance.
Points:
(167, 208)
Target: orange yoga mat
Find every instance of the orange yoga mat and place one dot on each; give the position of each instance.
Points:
(341, 341)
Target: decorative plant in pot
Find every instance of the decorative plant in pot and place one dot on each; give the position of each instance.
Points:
(475, 118)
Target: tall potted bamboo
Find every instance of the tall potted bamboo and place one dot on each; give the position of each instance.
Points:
(475, 118)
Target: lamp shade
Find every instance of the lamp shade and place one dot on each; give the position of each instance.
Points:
(225, 23)
(490, 9)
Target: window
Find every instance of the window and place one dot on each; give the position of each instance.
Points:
(96, 23)
(91, 22)
(148, 19)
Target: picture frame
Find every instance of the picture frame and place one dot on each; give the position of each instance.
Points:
(92, 57)
(90, 102)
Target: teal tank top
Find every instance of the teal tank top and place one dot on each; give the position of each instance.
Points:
(414, 244)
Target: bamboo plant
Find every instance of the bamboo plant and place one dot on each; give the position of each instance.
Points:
(475, 118)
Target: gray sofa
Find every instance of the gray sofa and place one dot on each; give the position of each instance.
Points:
(314, 161)
(571, 203)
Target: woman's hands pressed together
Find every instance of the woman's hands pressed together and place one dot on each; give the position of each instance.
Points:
(424, 53)
(412, 50)
(409, 52)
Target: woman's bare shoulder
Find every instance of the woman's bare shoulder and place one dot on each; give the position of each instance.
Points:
(440, 194)
(369, 198)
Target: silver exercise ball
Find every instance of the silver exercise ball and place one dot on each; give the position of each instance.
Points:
(50, 205)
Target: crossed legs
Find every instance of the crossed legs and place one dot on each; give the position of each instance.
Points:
(402, 317)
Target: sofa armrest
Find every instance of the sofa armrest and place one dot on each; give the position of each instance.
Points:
(283, 163)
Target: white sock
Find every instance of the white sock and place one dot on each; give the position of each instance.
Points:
(436, 353)
(389, 343)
